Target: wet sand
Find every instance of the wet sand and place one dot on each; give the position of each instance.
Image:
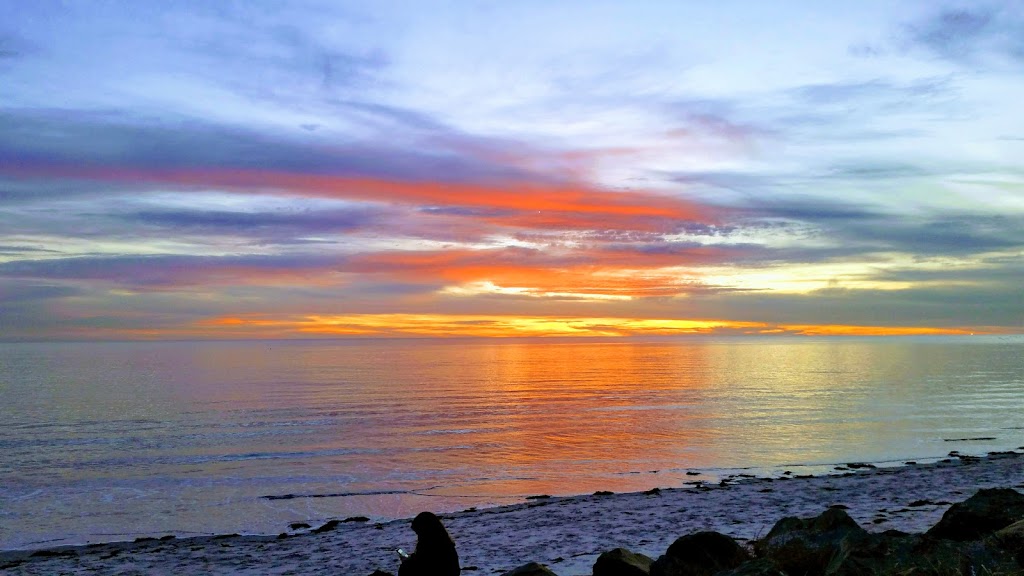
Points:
(566, 533)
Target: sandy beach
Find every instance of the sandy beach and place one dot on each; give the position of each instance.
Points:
(566, 533)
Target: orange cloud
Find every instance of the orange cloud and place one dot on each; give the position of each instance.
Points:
(593, 272)
(528, 204)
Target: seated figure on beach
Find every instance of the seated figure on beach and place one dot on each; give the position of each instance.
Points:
(435, 553)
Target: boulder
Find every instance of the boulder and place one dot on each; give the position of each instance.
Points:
(700, 554)
(810, 545)
(1011, 539)
(987, 511)
(531, 569)
(381, 573)
(894, 552)
(622, 562)
(760, 567)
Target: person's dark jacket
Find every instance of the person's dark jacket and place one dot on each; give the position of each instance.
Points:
(435, 553)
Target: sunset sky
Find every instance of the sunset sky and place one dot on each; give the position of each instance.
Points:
(530, 168)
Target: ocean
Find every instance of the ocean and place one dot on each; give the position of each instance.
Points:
(113, 441)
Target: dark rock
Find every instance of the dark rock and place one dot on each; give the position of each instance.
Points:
(691, 473)
(894, 552)
(1011, 539)
(761, 567)
(356, 519)
(145, 539)
(809, 545)
(52, 553)
(539, 497)
(282, 536)
(917, 503)
(622, 562)
(381, 573)
(985, 512)
(167, 537)
(531, 569)
(653, 492)
(298, 526)
(856, 465)
(603, 493)
(700, 554)
(327, 527)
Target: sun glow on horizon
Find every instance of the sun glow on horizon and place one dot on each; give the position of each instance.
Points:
(499, 326)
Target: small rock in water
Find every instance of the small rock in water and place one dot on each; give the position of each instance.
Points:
(693, 473)
(653, 492)
(356, 519)
(298, 526)
(330, 525)
(856, 465)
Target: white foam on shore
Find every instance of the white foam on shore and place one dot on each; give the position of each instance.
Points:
(565, 533)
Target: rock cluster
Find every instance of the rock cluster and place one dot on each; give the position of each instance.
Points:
(982, 535)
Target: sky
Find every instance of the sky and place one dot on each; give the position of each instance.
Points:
(384, 169)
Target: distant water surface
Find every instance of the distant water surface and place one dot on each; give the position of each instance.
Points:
(108, 441)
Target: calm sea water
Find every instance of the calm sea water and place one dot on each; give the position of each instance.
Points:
(107, 441)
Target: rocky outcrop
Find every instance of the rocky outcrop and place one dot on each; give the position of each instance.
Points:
(811, 545)
(700, 554)
(759, 567)
(531, 569)
(1011, 539)
(982, 514)
(622, 562)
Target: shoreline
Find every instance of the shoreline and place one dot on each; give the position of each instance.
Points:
(565, 532)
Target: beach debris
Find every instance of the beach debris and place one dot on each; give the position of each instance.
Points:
(531, 569)
(700, 554)
(622, 562)
(987, 511)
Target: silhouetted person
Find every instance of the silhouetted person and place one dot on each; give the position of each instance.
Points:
(435, 553)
